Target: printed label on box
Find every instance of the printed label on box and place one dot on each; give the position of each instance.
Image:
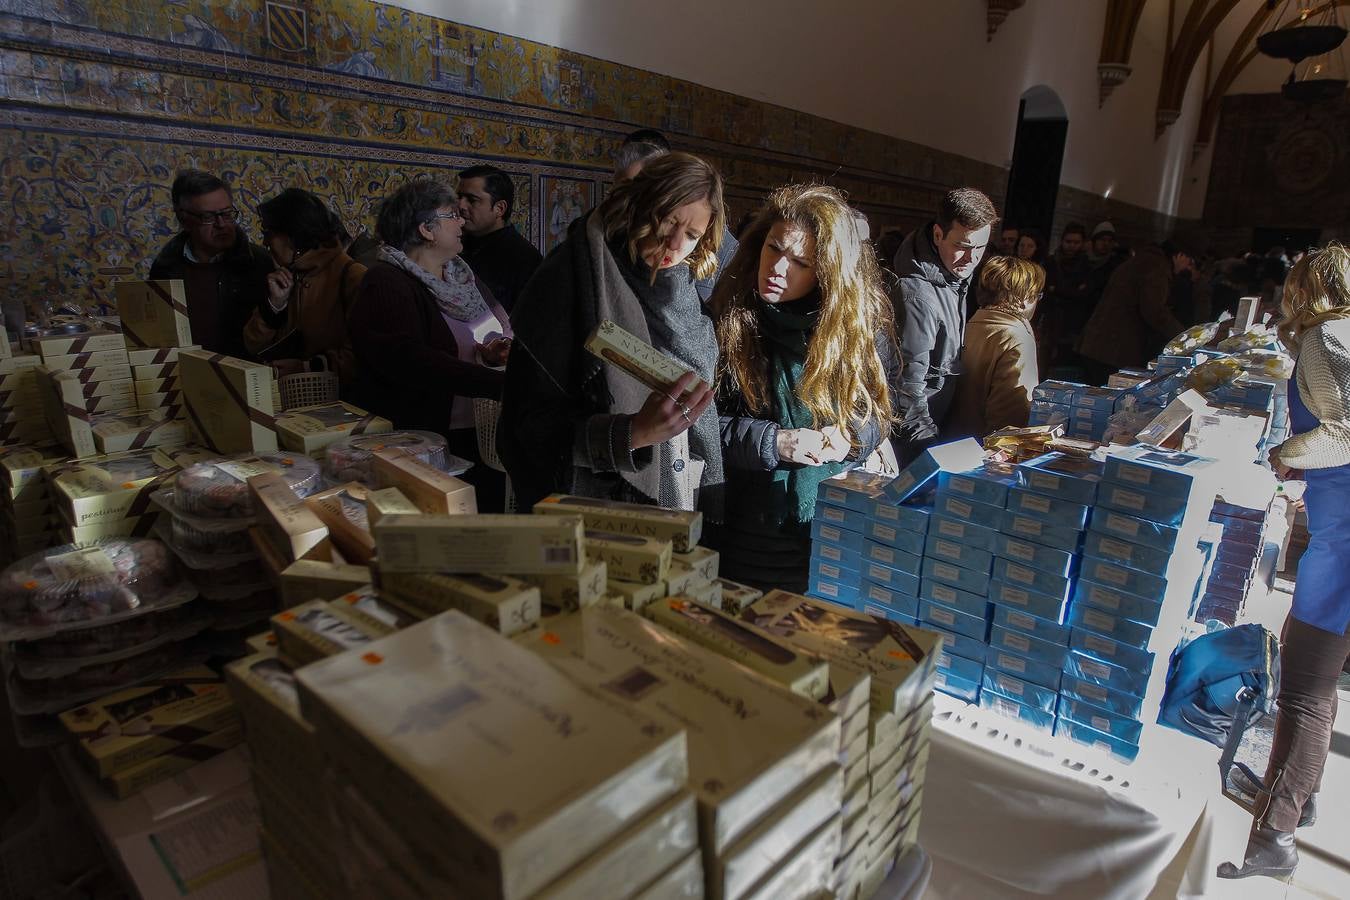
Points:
(960, 508)
(1121, 549)
(1115, 576)
(942, 570)
(834, 513)
(951, 529)
(826, 551)
(90, 562)
(1105, 598)
(943, 593)
(1128, 499)
(1039, 504)
(1020, 551)
(1018, 573)
(1011, 663)
(948, 549)
(1017, 642)
(1122, 524)
(943, 617)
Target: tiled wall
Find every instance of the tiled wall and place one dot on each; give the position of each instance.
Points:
(101, 103)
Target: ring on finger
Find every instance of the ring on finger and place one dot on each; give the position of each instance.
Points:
(684, 410)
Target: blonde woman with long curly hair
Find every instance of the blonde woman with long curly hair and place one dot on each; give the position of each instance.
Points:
(1315, 644)
(806, 337)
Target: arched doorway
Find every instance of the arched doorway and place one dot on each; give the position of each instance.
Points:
(1038, 154)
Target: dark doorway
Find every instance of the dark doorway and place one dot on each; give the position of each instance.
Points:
(1038, 154)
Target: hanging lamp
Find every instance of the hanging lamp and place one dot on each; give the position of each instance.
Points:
(1303, 36)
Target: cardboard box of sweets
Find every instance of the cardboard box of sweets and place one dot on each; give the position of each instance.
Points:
(387, 502)
(278, 735)
(314, 630)
(572, 592)
(343, 510)
(309, 429)
(502, 603)
(88, 340)
(751, 742)
(629, 557)
(229, 401)
(149, 720)
(154, 313)
(289, 526)
(134, 779)
(109, 488)
(426, 487)
(459, 731)
(134, 429)
(314, 579)
(156, 356)
(525, 545)
(682, 528)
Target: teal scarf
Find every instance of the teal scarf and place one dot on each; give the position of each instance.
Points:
(786, 329)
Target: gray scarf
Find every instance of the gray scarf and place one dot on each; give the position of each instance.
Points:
(456, 291)
(667, 315)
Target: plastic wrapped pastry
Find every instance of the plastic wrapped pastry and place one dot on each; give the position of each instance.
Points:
(84, 585)
(1195, 337)
(349, 459)
(1213, 374)
(219, 488)
(1265, 363)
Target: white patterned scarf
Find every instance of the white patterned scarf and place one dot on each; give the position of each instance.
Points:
(456, 291)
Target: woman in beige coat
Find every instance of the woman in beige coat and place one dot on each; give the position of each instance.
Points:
(998, 362)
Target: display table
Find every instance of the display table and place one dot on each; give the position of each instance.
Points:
(193, 836)
(1012, 812)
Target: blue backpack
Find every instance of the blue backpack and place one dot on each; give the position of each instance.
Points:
(1220, 684)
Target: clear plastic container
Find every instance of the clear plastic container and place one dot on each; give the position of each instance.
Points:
(82, 643)
(349, 459)
(30, 697)
(218, 489)
(81, 586)
(37, 667)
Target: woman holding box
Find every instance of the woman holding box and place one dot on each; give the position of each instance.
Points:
(1315, 644)
(807, 340)
(428, 335)
(998, 361)
(572, 424)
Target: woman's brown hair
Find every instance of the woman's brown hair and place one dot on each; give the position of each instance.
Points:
(1316, 291)
(843, 381)
(1011, 285)
(635, 209)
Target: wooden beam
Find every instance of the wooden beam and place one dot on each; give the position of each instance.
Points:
(1201, 21)
(1113, 63)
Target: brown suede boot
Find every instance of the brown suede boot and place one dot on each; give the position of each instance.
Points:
(1270, 853)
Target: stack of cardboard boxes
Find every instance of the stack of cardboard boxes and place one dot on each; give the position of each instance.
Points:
(28, 518)
(21, 413)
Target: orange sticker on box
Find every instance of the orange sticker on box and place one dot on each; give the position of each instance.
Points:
(550, 638)
(372, 658)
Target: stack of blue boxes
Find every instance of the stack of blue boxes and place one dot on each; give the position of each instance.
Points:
(1235, 562)
(843, 507)
(1085, 412)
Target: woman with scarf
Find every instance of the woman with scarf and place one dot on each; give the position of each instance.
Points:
(573, 424)
(806, 336)
(427, 334)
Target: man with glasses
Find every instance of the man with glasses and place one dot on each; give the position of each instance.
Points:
(496, 252)
(224, 275)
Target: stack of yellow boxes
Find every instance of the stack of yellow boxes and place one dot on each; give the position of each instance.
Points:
(136, 737)
(21, 417)
(155, 327)
(28, 519)
(110, 495)
(84, 377)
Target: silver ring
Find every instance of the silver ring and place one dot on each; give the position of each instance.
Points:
(684, 410)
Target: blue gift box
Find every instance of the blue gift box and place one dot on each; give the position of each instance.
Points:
(1120, 727)
(885, 595)
(1019, 689)
(954, 551)
(906, 611)
(840, 556)
(841, 516)
(979, 536)
(1027, 669)
(1127, 553)
(1029, 646)
(1117, 602)
(1169, 472)
(1015, 620)
(829, 571)
(1126, 631)
(891, 556)
(954, 506)
(1228, 510)
(960, 644)
(1063, 477)
(960, 688)
(1106, 650)
(1054, 391)
(1038, 556)
(1094, 671)
(1118, 702)
(892, 536)
(953, 620)
(1037, 604)
(1091, 737)
(988, 484)
(960, 666)
(1134, 529)
(1053, 511)
(1042, 532)
(877, 573)
(834, 591)
(824, 533)
(1167, 509)
(1044, 412)
(912, 516)
(956, 576)
(1030, 715)
(1100, 400)
(856, 490)
(957, 456)
(1131, 581)
(946, 595)
(1038, 580)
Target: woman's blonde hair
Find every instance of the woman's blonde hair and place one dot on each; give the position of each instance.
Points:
(1011, 285)
(1316, 291)
(843, 381)
(635, 209)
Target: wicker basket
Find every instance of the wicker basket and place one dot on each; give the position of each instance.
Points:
(485, 414)
(308, 389)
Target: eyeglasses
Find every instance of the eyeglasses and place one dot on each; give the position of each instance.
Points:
(211, 218)
(452, 216)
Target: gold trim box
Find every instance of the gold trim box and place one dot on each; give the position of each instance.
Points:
(742, 642)
(140, 723)
(506, 773)
(752, 743)
(635, 356)
(315, 579)
(135, 429)
(343, 510)
(504, 604)
(94, 361)
(309, 429)
(92, 341)
(290, 526)
(156, 356)
(229, 401)
(154, 313)
(111, 488)
(525, 545)
(427, 487)
(682, 528)
(629, 557)
(388, 502)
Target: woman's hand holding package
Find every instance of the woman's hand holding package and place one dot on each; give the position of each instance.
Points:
(1283, 472)
(812, 447)
(664, 415)
(495, 352)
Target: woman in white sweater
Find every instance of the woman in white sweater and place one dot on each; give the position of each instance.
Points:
(1316, 640)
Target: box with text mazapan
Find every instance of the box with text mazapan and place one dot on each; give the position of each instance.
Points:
(681, 527)
(525, 545)
(502, 603)
(505, 773)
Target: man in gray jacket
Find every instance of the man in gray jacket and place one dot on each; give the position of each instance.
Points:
(934, 266)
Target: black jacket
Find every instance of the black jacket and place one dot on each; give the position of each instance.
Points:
(503, 261)
(240, 289)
